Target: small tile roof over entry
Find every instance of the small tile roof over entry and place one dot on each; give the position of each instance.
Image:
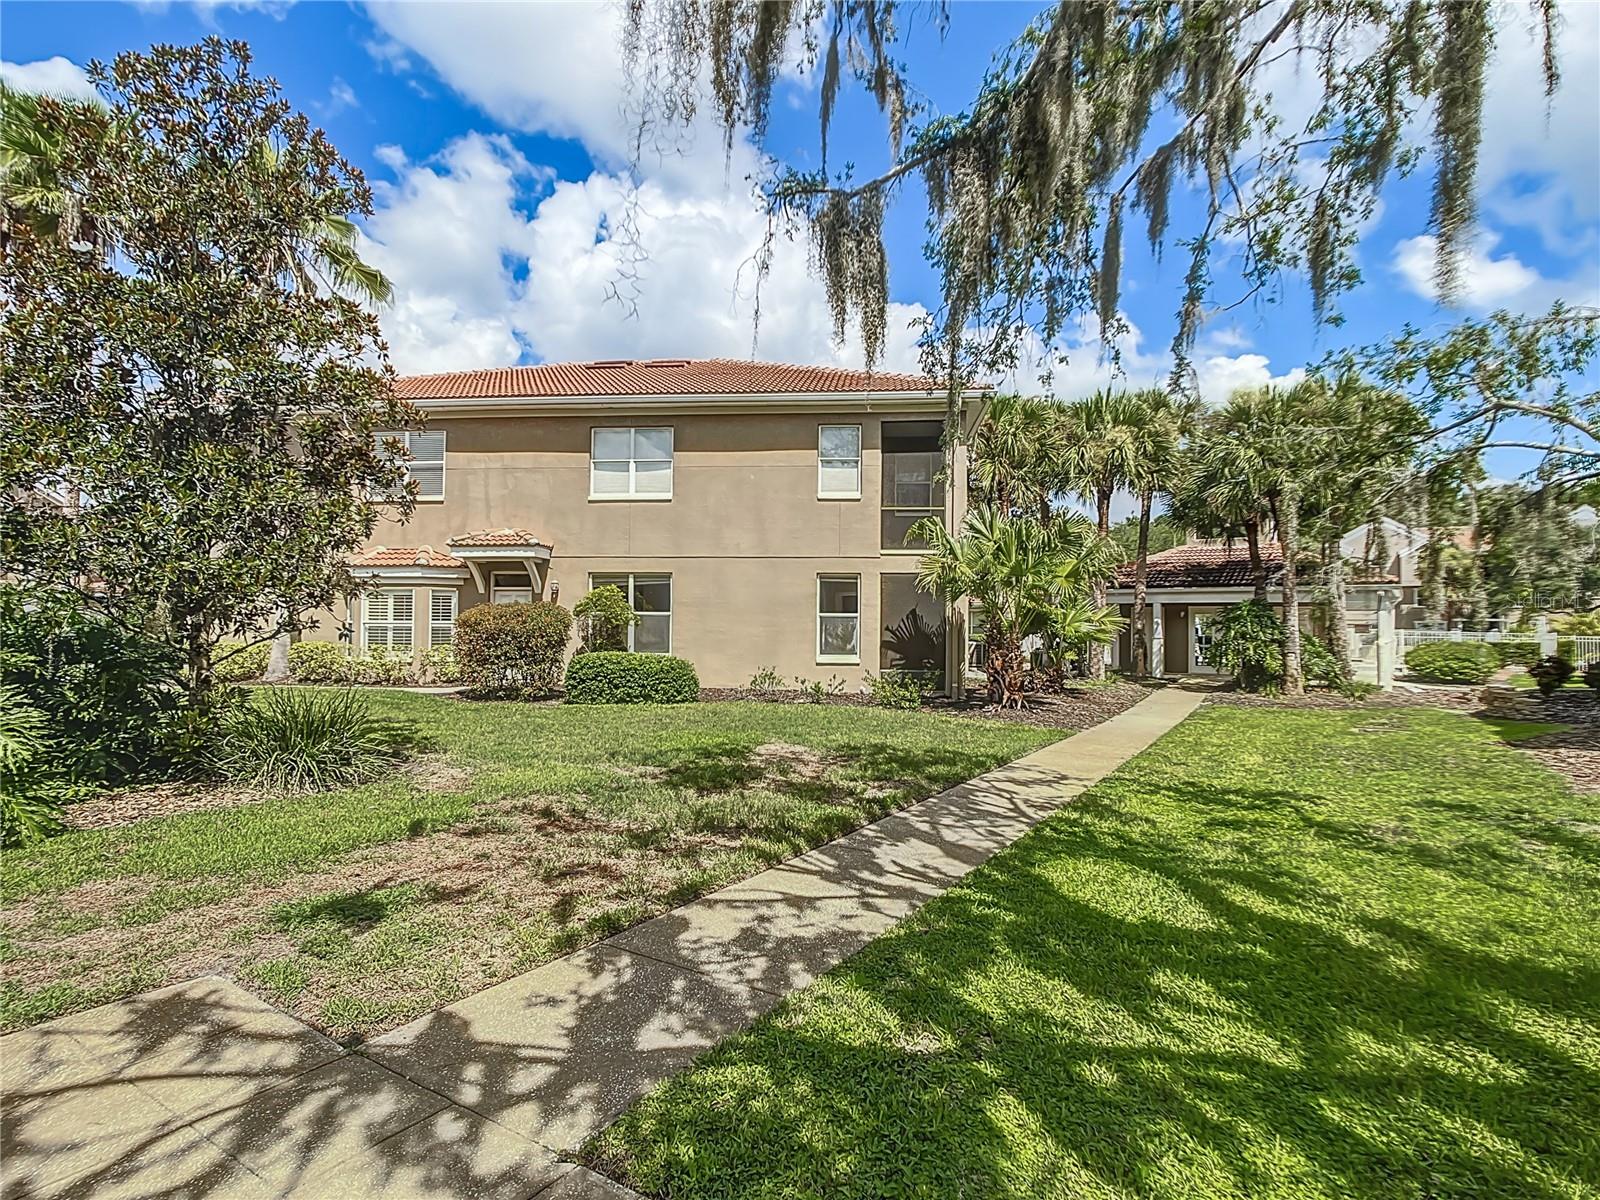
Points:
(404, 556)
(1219, 565)
(496, 537)
(1214, 565)
(655, 377)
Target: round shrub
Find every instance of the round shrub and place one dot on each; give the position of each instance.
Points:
(512, 649)
(618, 677)
(1591, 675)
(1453, 662)
(603, 618)
(1519, 654)
(1550, 673)
(319, 662)
(236, 662)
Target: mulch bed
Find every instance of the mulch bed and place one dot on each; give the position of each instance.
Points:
(1460, 699)
(1573, 753)
(1075, 709)
(123, 807)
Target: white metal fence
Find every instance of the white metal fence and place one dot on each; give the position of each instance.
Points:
(1584, 649)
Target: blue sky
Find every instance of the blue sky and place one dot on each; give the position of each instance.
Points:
(494, 139)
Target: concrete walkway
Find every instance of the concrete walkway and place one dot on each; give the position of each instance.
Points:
(203, 1090)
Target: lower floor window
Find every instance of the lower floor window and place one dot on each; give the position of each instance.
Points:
(838, 618)
(510, 587)
(442, 617)
(650, 597)
(386, 618)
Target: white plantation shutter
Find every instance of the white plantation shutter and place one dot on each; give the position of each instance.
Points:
(386, 618)
(427, 464)
(441, 617)
(427, 460)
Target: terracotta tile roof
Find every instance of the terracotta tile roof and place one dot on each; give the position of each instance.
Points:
(496, 537)
(404, 556)
(1217, 565)
(654, 377)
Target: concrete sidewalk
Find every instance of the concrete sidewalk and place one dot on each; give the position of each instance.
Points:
(203, 1090)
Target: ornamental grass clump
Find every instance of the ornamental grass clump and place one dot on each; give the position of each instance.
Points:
(294, 740)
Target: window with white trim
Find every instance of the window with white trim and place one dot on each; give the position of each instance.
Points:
(630, 463)
(426, 465)
(510, 587)
(839, 462)
(650, 597)
(442, 617)
(386, 618)
(839, 618)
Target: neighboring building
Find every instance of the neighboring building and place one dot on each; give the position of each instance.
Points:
(755, 514)
(1188, 585)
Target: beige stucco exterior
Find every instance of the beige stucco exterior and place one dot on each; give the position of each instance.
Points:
(744, 535)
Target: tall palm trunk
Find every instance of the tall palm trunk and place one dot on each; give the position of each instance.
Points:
(1289, 542)
(1258, 568)
(1097, 652)
(1338, 612)
(1141, 572)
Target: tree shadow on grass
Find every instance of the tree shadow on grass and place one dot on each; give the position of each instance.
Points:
(1104, 1009)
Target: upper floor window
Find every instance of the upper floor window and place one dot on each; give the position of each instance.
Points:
(631, 463)
(913, 487)
(386, 618)
(839, 462)
(426, 465)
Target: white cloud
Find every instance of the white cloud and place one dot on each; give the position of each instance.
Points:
(1491, 281)
(58, 76)
(539, 68)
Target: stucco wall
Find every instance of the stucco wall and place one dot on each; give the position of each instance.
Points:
(744, 535)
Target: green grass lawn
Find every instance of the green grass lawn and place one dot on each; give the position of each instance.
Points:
(1281, 954)
(523, 832)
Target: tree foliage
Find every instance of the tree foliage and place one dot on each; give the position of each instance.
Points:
(1030, 578)
(1098, 110)
(196, 425)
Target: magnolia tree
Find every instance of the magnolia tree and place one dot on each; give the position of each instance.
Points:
(192, 402)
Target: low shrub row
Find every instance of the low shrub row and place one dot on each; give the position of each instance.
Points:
(1520, 654)
(621, 677)
(329, 662)
(1453, 662)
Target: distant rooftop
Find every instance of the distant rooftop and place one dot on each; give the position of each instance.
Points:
(656, 377)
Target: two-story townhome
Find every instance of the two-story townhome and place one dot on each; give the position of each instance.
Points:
(754, 514)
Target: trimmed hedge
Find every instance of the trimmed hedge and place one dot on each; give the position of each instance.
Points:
(512, 649)
(319, 662)
(241, 664)
(1453, 662)
(1520, 654)
(618, 677)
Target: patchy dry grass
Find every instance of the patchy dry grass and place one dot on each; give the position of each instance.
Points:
(524, 832)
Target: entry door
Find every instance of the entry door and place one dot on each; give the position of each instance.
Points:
(1199, 643)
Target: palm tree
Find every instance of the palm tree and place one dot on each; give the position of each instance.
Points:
(1166, 423)
(1107, 450)
(1017, 453)
(1030, 578)
(1277, 439)
(1217, 495)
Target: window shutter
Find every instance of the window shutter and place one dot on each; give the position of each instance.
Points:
(427, 463)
